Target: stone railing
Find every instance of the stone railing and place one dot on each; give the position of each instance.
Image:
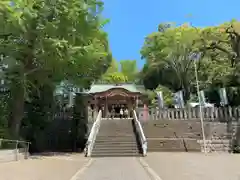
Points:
(213, 114)
(93, 134)
(141, 133)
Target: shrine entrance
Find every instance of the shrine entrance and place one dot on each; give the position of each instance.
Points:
(114, 110)
(113, 104)
(112, 101)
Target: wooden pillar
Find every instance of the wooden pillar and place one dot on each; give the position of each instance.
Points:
(129, 105)
(106, 107)
(137, 102)
(145, 112)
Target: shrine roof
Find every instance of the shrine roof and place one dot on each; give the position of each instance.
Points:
(98, 88)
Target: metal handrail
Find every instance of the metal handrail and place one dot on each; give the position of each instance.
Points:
(16, 146)
(141, 133)
(93, 134)
(11, 140)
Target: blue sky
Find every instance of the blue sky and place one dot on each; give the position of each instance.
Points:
(132, 20)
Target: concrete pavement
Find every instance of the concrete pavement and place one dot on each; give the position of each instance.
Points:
(156, 166)
(43, 168)
(197, 166)
(122, 168)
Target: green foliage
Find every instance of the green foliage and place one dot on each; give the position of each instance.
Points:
(79, 122)
(126, 73)
(46, 42)
(4, 110)
(113, 75)
(129, 69)
(37, 124)
(167, 55)
(167, 96)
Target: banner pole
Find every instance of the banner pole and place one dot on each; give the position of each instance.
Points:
(200, 108)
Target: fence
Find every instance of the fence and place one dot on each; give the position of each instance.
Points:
(64, 114)
(68, 115)
(13, 150)
(212, 114)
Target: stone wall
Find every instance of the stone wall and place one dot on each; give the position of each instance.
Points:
(186, 135)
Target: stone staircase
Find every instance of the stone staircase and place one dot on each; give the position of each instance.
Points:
(186, 136)
(172, 136)
(116, 138)
(216, 145)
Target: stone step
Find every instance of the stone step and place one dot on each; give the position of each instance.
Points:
(127, 143)
(173, 145)
(118, 126)
(113, 141)
(120, 149)
(127, 127)
(99, 145)
(111, 150)
(172, 150)
(96, 146)
(116, 155)
(109, 146)
(123, 132)
(184, 128)
(116, 134)
(112, 136)
(120, 132)
(217, 141)
(116, 137)
(170, 134)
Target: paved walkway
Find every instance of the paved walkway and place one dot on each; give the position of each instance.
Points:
(123, 168)
(195, 166)
(43, 168)
(169, 166)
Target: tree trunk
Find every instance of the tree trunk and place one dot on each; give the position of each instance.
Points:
(17, 110)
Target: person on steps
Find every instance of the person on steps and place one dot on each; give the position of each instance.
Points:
(121, 113)
(126, 113)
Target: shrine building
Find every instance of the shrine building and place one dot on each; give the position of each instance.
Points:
(113, 97)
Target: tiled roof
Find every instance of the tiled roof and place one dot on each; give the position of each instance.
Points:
(97, 88)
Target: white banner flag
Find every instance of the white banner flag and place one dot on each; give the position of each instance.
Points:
(178, 99)
(160, 99)
(223, 96)
(71, 99)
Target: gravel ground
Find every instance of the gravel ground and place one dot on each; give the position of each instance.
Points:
(195, 166)
(43, 168)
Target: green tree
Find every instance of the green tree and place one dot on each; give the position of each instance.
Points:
(126, 73)
(129, 69)
(47, 42)
(79, 122)
(116, 77)
(114, 67)
(168, 61)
